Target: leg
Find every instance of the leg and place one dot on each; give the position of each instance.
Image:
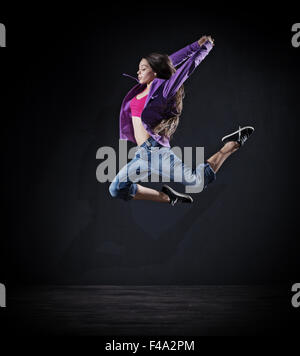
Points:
(210, 168)
(167, 165)
(144, 193)
(218, 158)
(233, 142)
(125, 187)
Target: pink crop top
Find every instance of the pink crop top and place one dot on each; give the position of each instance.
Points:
(137, 105)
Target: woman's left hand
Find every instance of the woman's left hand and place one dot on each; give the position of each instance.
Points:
(204, 39)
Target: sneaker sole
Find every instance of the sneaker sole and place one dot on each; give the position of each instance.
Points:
(233, 133)
(178, 194)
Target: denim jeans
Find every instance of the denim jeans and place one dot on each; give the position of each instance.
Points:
(153, 160)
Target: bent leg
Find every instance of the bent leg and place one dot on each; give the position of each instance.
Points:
(124, 185)
(145, 193)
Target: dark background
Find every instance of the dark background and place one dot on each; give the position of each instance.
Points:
(61, 92)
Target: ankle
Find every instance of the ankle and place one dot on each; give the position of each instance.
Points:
(165, 197)
(230, 147)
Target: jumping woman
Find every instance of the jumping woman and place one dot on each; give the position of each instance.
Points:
(149, 117)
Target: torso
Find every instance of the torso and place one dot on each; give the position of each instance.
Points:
(140, 133)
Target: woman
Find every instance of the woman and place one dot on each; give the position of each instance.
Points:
(149, 117)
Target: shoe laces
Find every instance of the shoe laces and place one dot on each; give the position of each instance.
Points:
(173, 202)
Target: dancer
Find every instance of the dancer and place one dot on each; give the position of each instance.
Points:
(149, 117)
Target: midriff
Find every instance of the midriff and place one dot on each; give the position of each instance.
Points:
(140, 133)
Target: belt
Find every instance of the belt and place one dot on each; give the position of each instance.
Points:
(148, 143)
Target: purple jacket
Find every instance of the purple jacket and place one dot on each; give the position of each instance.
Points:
(160, 103)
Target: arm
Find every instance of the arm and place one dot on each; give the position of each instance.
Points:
(187, 68)
(184, 53)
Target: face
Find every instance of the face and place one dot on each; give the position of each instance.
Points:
(145, 72)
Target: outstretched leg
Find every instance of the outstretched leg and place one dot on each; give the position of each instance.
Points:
(219, 158)
(215, 162)
(232, 142)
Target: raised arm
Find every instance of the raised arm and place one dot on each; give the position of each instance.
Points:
(184, 53)
(195, 53)
(181, 55)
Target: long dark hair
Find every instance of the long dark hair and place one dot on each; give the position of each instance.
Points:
(163, 66)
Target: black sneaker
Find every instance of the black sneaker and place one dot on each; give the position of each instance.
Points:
(175, 196)
(240, 136)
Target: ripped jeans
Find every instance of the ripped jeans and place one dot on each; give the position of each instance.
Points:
(150, 160)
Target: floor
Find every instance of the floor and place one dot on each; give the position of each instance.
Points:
(149, 310)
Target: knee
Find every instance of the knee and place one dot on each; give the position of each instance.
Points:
(125, 191)
(120, 190)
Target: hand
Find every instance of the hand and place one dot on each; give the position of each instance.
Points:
(204, 39)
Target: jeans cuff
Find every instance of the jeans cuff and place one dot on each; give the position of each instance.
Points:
(132, 191)
(209, 174)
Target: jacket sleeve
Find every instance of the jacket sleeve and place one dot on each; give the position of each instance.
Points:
(186, 69)
(184, 53)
